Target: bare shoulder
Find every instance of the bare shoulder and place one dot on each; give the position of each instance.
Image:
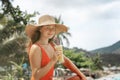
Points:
(35, 49)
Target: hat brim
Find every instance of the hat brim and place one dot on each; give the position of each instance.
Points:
(31, 28)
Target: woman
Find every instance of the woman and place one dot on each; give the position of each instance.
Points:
(42, 54)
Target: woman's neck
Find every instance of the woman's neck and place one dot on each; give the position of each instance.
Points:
(43, 41)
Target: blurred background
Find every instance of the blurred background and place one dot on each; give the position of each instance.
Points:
(92, 42)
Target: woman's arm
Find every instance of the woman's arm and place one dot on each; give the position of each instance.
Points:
(35, 62)
(68, 63)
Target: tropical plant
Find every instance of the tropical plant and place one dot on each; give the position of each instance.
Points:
(97, 62)
(16, 71)
(79, 59)
(62, 36)
(15, 12)
(13, 48)
(12, 35)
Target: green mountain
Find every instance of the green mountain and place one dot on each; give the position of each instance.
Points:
(109, 55)
(114, 48)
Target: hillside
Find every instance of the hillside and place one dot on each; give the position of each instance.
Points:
(109, 54)
(114, 48)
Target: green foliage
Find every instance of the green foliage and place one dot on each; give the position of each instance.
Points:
(13, 19)
(97, 62)
(9, 77)
(82, 61)
(16, 72)
(79, 59)
(12, 35)
(112, 59)
(15, 12)
(18, 67)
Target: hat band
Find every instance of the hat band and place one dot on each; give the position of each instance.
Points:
(47, 23)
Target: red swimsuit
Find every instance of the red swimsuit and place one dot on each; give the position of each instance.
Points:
(45, 60)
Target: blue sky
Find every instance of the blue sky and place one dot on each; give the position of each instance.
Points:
(93, 23)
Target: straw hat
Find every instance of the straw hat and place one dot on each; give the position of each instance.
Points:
(45, 20)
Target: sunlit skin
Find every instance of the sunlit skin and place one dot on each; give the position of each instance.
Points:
(47, 32)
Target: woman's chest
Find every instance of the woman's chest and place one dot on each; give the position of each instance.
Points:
(49, 51)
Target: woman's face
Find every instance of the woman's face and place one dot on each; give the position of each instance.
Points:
(48, 31)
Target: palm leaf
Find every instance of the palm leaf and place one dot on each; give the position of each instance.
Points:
(62, 36)
(18, 67)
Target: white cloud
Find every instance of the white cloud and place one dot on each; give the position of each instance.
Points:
(107, 8)
(92, 23)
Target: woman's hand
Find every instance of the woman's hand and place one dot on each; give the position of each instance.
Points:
(55, 56)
